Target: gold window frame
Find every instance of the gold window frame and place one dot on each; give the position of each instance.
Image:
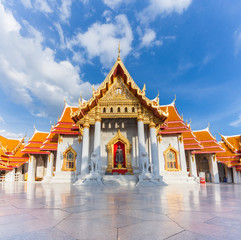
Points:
(65, 153)
(171, 148)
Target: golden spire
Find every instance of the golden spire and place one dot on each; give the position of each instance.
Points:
(119, 51)
(144, 88)
(65, 101)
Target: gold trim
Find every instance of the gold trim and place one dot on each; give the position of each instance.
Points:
(171, 148)
(69, 149)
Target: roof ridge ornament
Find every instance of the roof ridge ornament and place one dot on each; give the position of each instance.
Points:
(118, 58)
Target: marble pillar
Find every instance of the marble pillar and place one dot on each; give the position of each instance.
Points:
(160, 154)
(85, 148)
(154, 150)
(50, 165)
(31, 168)
(10, 176)
(228, 173)
(141, 137)
(182, 159)
(235, 175)
(213, 168)
(192, 165)
(97, 133)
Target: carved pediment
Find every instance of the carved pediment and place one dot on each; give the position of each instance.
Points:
(118, 92)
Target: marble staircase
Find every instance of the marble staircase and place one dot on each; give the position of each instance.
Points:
(120, 180)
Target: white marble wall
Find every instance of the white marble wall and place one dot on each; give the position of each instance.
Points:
(63, 145)
(175, 143)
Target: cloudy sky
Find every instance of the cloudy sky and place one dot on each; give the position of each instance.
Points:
(51, 50)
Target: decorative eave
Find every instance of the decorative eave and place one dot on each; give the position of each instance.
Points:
(118, 68)
(229, 144)
(174, 124)
(34, 144)
(65, 125)
(208, 141)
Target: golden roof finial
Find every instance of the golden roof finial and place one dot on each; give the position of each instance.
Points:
(58, 118)
(144, 88)
(80, 99)
(175, 98)
(34, 127)
(65, 101)
(118, 51)
(157, 98)
(208, 125)
(189, 124)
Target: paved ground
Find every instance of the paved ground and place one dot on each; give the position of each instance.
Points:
(63, 211)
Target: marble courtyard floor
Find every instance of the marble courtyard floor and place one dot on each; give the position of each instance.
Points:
(62, 211)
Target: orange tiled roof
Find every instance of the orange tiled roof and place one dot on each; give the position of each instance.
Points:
(66, 125)
(35, 143)
(233, 142)
(209, 143)
(190, 141)
(10, 153)
(228, 157)
(50, 143)
(174, 123)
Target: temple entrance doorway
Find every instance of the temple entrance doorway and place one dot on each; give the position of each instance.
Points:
(119, 158)
(119, 155)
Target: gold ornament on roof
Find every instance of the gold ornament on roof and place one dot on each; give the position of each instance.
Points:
(118, 58)
(144, 89)
(157, 98)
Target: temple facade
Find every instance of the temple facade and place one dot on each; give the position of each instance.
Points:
(120, 136)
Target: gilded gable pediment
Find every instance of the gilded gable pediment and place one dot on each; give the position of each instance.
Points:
(118, 93)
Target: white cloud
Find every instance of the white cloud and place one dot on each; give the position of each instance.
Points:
(61, 35)
(2, 120)
(42, 6)
(27, 3)
(236, 123)
(29, 74)
(101, 40)
(163, 7)
(7, 134)
(113, 3)
(65, 10)
(237, 41)
(148, 38)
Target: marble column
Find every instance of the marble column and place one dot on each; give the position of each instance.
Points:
(85, 147)
(154, 150)
(31, 168)
(141, 136)
(239, 176)
(235, 175)
(160, 154)
(10, 176)
(228, 174)
(192, 165)
(20, 174)
(50, 165)
(182, 159)
(213, 167)
(97, 133)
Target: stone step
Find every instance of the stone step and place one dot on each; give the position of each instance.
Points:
(120, 180)
(63, 177)
(177, 178)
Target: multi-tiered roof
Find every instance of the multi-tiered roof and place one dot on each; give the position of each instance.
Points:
(232, 155)
(10, 153)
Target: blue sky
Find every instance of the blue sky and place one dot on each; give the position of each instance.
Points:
(51, 50)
